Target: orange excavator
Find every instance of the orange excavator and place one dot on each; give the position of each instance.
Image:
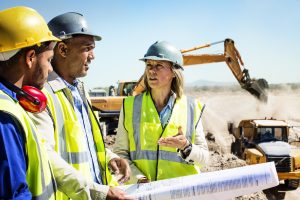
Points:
(234, 61)
(109, 106)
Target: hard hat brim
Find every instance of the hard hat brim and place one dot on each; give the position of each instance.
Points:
(66, 36)
(47, 39)
(154, 58)
(175, 65)
(52, 38)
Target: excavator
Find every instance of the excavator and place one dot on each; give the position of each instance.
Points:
(233, 60)
(109, 107)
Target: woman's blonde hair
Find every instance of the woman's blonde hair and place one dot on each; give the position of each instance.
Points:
(176, 85)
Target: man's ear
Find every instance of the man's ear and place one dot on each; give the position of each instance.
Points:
(30, 57)
(62, 49)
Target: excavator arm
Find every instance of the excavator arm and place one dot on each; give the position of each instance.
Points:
(233, 60)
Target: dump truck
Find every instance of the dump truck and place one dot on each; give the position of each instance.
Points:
(267, 140)
(109, 107)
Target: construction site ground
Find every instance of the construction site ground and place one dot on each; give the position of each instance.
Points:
(232, 106)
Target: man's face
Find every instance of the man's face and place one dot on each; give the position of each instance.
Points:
(38, 74)
(80, 53)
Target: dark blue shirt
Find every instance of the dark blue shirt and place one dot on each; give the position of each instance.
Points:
(13, 159)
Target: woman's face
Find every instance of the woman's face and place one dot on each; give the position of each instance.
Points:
(159, 74)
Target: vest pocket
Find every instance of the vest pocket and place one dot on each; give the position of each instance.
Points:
(171, 130)
(149, 136)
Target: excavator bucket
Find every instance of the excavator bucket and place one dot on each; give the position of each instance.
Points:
(258, 89)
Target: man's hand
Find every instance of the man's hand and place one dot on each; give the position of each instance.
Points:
(118, 194)
(120, 166)
(178, 141)
(143, 180)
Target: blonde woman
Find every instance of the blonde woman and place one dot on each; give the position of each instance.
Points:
(160, 132)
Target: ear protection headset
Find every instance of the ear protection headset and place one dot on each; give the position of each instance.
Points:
(30, 98)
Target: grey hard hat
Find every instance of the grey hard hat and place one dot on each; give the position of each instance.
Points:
(65, 25)
(162, 50)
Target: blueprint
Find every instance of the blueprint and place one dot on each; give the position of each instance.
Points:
(223, 184)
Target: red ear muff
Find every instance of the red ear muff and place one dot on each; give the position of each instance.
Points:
(32, 99)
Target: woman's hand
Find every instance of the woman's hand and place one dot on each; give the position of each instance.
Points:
(143, 180)
(178, 141)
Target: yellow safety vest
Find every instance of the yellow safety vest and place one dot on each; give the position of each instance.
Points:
(142, 122)
(39, 175)
(69, 136)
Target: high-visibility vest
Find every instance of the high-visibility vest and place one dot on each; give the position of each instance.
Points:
(142, 122)
(39, 174)
(69, 136)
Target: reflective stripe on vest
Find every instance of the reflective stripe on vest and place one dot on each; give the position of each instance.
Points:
(36, 180)
(58, 117)
(72, 150)
(152, 155)
(153, 160)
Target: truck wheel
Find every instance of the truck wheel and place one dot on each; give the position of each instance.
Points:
(292, 183)
(236, 148)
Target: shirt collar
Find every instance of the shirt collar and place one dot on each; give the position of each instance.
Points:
(71, 86)
(9, 92)
(171, 100)
(57, 83)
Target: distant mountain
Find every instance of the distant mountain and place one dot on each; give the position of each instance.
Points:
(209, 83)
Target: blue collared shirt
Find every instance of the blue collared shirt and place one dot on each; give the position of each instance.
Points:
(166, 112)
(13, 157)
(82, 115)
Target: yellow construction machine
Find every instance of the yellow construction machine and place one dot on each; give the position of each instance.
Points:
(267, 140)
(109, 107)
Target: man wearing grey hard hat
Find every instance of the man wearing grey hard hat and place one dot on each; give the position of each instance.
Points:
(71, 126)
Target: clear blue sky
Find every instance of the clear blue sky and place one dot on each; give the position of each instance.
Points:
(266, 33)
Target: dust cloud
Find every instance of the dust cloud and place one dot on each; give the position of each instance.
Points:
(223, 106)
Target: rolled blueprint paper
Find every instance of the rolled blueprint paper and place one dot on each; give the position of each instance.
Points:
(223, 184)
